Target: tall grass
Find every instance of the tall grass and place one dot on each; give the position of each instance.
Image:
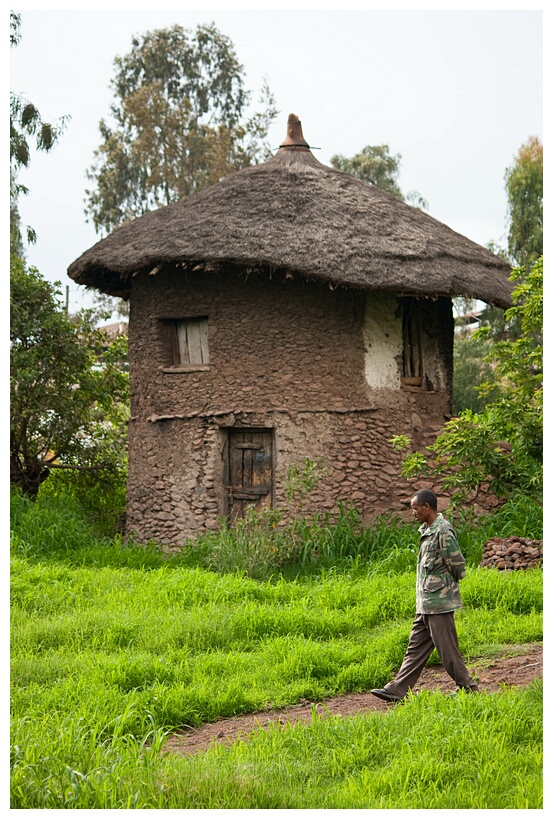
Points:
(430, 753)
(261, 545)
(113, 645)
(103, 497)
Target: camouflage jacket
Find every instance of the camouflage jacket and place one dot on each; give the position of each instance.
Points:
(439, 568)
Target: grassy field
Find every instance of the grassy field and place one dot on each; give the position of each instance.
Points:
(113, 646)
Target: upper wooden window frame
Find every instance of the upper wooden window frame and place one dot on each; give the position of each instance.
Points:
(188, 342)
(413, 347)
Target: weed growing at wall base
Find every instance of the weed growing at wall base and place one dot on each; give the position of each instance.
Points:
(260, 544)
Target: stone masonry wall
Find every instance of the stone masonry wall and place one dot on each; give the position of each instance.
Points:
(286, 355)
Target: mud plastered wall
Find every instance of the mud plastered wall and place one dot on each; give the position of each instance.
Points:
(285, 355)
(383, 339)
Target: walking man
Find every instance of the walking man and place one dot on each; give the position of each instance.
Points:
(440, 566)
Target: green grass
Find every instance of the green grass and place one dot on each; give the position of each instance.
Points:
(114, 645)
(56, 528)
(430, 753)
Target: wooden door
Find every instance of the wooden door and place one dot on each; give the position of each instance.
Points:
(250, 471)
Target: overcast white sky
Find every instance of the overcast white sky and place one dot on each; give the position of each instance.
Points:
(456, 93)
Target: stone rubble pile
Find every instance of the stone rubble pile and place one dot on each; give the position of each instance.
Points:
(512, 553)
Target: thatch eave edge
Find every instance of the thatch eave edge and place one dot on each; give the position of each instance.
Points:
(116, 281)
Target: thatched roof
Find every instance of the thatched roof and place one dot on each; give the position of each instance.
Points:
(293, 213)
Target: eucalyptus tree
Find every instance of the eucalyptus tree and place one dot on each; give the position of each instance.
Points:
(524, 186)
(524, 189)
(375, 165)
(177, 123)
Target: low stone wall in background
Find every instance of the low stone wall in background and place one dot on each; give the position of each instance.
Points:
(508, 554)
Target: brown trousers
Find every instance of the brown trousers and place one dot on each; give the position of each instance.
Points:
(431, 631)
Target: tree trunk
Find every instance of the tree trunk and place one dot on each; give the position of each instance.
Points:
(28, 476)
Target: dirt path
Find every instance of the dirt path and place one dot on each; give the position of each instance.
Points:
(516, 666)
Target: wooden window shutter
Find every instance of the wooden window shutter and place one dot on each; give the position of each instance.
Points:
(191, 341)
(412, 343)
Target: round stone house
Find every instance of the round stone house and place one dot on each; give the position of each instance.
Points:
(289, 311)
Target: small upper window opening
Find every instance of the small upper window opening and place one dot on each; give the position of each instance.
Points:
(189, 342)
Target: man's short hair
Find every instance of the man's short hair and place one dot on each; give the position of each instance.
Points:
(426, 496)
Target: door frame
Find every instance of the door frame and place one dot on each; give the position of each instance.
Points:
(227, 437)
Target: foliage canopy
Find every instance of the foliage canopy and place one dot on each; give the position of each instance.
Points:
(375, 165)
(524, 185)
(68, 386)
(472, 367)
(178, 124)
(524, 188)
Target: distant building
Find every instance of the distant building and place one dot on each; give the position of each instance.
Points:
(289, 310)
(468, 322)
(113, 331)
(116, 328)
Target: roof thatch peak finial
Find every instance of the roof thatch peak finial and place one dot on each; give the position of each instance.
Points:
(294, 137)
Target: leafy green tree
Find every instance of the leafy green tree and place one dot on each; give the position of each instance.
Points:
(177, 124)
(25, 122)
(524, 185)
(502, 446)
(375, 165)
(472, 368)
(68, 386)
(524, 188)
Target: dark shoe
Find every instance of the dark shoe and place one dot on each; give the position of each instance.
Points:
(461, 689)
(382, 694)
